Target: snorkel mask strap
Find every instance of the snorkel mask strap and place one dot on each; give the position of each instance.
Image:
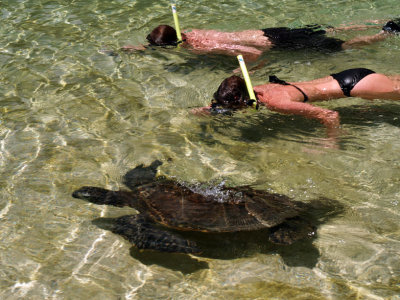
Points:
(166, 45)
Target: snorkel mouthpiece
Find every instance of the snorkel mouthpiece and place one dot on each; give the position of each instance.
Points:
(252, 103)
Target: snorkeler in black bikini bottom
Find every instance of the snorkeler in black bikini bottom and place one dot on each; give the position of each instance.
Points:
(349, 78)
(282, 97)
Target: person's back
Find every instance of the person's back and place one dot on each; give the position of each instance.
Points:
(250, 43)
(253, 38)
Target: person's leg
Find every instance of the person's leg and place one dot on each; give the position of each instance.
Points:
(352, 28)
(377, 86)
(365, 40)
(387, 29)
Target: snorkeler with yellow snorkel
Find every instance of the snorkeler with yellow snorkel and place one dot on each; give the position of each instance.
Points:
(252, 43)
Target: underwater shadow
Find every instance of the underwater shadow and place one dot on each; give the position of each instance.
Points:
(245, 126)
(234, 245)
(370, 115)
(183, 263)
(244, 222)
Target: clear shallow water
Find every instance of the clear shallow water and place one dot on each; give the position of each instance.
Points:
(72, 116)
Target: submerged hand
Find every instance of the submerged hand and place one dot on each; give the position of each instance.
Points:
(201, 111)
(130, 48)
(331, 119)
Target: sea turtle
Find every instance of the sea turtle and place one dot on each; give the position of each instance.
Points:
(165, 203)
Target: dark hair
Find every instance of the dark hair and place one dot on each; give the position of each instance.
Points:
(163, 35)
(232, 93)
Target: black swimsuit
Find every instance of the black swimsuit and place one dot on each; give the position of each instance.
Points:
(311, 37)
(349, 78)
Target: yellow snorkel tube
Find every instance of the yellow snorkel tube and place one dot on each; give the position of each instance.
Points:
(247, 80)
(176, 21)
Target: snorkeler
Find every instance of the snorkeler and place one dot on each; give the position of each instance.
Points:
(295, 98)
(251, 43)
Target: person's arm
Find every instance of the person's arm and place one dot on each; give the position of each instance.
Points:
(131, 48)
(285, 105)
(201, 111)
(327, 117)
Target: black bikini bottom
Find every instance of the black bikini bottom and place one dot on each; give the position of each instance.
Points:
(349, 78)
(310, 37)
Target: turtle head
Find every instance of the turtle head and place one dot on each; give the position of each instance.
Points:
(99, 196)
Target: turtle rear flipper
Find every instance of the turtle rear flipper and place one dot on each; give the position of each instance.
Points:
(273, 209)
(291, 231)
(145, 235)
(141, 175)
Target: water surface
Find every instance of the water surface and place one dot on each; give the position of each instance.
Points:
(72, 115)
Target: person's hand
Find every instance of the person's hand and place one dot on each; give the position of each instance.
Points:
(130, 48)
(201, 111)
(331, 119)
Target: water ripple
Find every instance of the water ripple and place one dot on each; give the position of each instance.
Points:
(71, 115)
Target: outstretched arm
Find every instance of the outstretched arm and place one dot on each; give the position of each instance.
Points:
(201, 111)
(327, 117)
(131, 48)
(284, 104)
(248, 52)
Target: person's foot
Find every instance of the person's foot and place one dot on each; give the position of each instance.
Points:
(391, 27)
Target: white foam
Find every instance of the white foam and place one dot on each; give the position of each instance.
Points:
(217, 192)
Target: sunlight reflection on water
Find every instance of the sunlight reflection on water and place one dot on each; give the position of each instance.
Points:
(72, 115)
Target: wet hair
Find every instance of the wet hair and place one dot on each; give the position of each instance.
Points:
(232, 94)
(163, 35)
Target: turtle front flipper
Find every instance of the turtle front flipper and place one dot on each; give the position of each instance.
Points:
(143, 233)
(102, 196)
(141, 175)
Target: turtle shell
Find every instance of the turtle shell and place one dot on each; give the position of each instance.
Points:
(243, 208)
